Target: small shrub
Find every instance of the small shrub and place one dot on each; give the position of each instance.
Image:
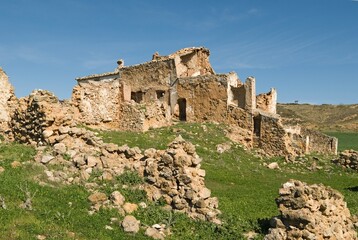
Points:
(130, 178)
(134, 195)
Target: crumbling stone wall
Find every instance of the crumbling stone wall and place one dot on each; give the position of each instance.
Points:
(38, 116)
(241, 126)
(319, 142)
(150, 75)
(270, 136)
(141, 117)
(243, 95)
(267, 101)
(205, 98)
(311, 212)
(190, 62)
(347, 159)
(97, 102)
(7, 100)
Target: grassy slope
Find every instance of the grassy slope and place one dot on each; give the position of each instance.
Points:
(336, 118)
(245, 188)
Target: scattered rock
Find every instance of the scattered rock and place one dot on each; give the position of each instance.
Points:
(108, 227)
(154, 233)
(41, 237)
(223, 147)
(117, 198)
(273, 165)
(16, 164)
(97, 197)
(130, 224)
(250, 235)
(142, 205)
(130, 207)
(2, 169)
(47, 158)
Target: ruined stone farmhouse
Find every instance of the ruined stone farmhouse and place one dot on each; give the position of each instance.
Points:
(182, 86)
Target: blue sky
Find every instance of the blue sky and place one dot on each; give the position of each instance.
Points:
(306, 49)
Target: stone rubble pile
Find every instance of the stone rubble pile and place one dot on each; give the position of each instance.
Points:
(348, 159)
(37, 118)
(311, 212)
(173, 175)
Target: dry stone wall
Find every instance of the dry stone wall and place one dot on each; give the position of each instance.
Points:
(311, 212)
(348, 159)
(175, 175)
(270, 136)
(241, 126)
(319, 142)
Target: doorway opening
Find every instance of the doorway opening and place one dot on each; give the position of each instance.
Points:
(182, 109)
(257, 126)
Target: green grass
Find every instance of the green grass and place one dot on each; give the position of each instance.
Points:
(346, 140)
(245, 187)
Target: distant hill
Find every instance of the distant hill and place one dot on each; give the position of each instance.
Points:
(325, 117)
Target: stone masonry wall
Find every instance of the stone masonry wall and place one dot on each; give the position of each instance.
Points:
(154, 74)
(319, 142)
(267, 101)
(190, 62)
(7, 98)
(348, 159)
(241, 126)
(140, 117)
(97, 102)
(271, 136)
(206, 97)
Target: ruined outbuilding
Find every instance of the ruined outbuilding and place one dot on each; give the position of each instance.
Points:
(184, 87)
